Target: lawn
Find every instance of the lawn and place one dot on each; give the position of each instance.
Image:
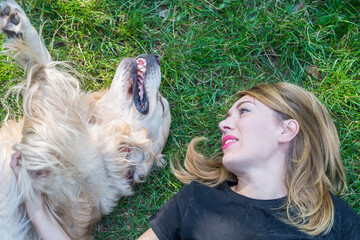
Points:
(210, 50)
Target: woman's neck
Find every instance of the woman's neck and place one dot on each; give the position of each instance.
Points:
(261, 184)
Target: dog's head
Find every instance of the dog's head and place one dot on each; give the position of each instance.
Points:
(135, 98)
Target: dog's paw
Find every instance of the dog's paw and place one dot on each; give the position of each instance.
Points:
(10, 19)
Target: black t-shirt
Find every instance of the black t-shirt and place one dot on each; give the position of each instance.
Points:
(201, 212)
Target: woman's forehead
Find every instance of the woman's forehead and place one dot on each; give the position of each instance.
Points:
(250, 100)
(244, 99)
(247, 97)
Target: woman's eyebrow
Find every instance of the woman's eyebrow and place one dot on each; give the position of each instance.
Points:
(228, 114)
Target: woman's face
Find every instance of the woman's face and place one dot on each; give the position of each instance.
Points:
(250, 134)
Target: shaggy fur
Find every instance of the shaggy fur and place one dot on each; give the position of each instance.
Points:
(79, 150)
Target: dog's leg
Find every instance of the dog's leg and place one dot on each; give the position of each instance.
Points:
(22, 43)
(14, 223)
(54, 140)
(21, 37)
(62, 155)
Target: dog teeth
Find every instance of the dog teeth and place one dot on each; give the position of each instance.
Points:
(141, 61)
(141, 64)
(141, 75)
(141, 69)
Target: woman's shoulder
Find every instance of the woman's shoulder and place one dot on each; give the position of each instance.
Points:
(342, 207)
(347, 221)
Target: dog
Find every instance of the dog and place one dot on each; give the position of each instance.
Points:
(81, 151)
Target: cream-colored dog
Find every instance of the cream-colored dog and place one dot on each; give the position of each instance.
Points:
(81, 151)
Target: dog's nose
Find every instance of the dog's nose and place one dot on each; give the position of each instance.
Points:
(158, 59)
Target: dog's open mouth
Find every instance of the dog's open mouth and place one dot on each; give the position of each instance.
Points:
(140, 98)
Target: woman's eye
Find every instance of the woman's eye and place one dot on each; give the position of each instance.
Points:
(243, 110)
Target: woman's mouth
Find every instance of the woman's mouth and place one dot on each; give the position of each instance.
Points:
(228, 140)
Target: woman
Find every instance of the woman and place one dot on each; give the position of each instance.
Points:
(280, 161)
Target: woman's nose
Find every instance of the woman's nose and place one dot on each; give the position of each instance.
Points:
(225, 125)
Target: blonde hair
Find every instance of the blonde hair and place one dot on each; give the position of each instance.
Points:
(315, 165)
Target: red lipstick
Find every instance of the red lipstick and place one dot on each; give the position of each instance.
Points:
(228, 140)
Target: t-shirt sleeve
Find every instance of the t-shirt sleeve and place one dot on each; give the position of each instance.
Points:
(166, 222)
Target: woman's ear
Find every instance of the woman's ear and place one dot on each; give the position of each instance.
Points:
(289, 131)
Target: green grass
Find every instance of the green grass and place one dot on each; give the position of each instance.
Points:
(210, 49)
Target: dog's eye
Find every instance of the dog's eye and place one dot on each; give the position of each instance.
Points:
(162, 104)
(163, 107)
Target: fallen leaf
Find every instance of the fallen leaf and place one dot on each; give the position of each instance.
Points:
(314, 71)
